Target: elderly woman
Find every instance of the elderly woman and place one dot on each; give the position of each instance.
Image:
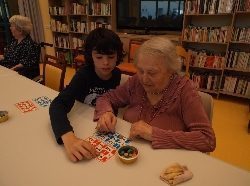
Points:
(162, 106)
(22, 54)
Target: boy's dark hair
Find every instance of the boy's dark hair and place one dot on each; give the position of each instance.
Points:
(104, 41)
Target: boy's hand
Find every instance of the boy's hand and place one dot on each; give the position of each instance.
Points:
(78, 149)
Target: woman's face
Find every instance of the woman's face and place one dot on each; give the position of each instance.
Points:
(104, 64)
(16, 33)
(152, 72)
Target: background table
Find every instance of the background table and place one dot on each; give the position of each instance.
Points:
(6, 72)
(29, 155)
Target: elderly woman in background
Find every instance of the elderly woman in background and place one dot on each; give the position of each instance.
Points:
(162, 106)
(22, 54)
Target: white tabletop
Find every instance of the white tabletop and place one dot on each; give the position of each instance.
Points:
(30, 156)
(6, 72)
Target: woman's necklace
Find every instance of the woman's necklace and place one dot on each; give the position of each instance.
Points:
(155, 108)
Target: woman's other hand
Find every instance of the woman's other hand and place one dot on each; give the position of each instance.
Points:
(141, 129)
(78, 149)
(1, 57)
(106, 122)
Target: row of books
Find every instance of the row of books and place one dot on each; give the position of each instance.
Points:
(205, 81)
(58, 26)
(57, 10)
(61, 41)
(237, 85)
(244, 5)
(241, 34)
(77, 42)
(204, 59)
(238, 60)
(80, 9)
(210, 6)
(94, 25)
(78, 26)
(100, 8)
(206, 34)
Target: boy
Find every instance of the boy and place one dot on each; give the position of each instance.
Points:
(103, 52)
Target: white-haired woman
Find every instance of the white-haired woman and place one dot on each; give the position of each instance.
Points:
(22, 53)
(163, 107)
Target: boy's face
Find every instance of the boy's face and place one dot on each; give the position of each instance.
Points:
(104, 64)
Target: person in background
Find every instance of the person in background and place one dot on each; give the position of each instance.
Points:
(103, 51)
(22, 53)
(163, 107)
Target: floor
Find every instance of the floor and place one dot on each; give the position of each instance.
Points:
(230, 120)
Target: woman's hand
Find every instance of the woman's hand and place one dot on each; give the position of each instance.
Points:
(17, 66)
(78, 149)
(106, 122)
(1, 57)
(141, 129)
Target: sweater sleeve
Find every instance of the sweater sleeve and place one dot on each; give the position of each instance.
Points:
(198, 135)
(114, 99)
(63, 104)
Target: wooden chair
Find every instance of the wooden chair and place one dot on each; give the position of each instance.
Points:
(53, 75)
(185, 56)
(79, 59)
(129, 67)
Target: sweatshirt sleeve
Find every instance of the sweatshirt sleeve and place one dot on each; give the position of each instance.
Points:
(198, 135)
(63, 104)
(114, 99)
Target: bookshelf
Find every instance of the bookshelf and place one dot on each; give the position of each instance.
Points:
(217, 34)
(72, 20)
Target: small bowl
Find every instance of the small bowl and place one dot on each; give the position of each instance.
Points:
(128, 154)
(3, 116)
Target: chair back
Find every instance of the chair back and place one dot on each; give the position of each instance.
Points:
(185, 56)
(207, 101)
(134, 44)
(54, 70)
(129, 67)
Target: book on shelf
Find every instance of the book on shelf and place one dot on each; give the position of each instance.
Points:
(206, 81)
(203, 59)
(244, 5)
(236, 84)
(77, 8)
(241, 34)
(61, 41)
(103, 9)
(238, 60)
(77, 42)
(57, 10)
(78, 26)
(206, 34)
(94, 25)
(58, 26)
(210, 6)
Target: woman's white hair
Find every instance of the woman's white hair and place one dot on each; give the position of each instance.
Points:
(161, 46)
(22, 23)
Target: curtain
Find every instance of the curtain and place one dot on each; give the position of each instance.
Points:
(31, 9)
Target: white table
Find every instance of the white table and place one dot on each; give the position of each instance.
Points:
(29, 155)
(6, 72)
